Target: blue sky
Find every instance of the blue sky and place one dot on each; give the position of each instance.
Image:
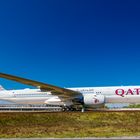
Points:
(71, 43)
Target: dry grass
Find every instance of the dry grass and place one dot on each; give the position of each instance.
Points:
(74, 124)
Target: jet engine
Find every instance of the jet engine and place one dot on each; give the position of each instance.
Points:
(93, 99)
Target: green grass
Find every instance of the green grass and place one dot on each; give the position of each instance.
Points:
(72, 124)
(134, 106)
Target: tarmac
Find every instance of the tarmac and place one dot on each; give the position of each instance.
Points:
(42, 110)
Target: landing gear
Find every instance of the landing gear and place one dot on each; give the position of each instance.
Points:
(83, 108)
(73, 108)
(67, 108)
(64, 109)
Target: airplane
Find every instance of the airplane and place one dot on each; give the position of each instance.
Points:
(68, 98)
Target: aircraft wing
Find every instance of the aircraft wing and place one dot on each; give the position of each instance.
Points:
(58, 91)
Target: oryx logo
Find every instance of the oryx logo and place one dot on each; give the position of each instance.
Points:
(95, 101)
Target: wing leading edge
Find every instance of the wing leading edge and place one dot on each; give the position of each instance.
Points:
(61, 92)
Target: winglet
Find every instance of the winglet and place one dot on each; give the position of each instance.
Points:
(1, 88)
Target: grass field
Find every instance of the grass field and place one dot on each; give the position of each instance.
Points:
(74, 124)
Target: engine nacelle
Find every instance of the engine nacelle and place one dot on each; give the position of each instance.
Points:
(93, 99)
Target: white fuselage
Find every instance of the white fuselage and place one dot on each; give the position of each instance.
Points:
(118, 94)
(114, 94)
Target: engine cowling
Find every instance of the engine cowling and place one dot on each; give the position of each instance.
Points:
(93, 99)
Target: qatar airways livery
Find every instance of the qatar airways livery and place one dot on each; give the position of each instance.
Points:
(68, 97)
